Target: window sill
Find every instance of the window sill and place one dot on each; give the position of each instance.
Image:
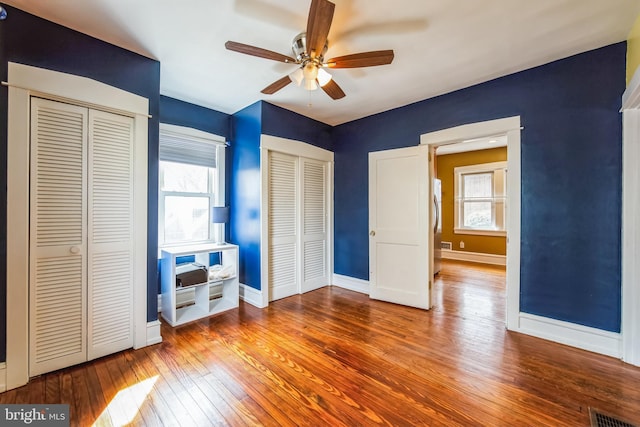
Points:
(477, 232)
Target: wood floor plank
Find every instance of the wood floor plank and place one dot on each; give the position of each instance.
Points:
(334, 357)
(69, 394)
(52, 387)
(82, 396)
(37, 390)
(109, 391)
(97, 397)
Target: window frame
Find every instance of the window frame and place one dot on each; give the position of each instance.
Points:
(498, 171)
(215, 184)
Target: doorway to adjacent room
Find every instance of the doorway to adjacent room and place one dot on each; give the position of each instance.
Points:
(510, 127)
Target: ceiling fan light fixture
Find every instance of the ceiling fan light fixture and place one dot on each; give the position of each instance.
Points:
(323, 77)
(297, 76)
(310, 84)
(310, 71)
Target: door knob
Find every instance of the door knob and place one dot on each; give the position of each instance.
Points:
(372, 233)
(74, 250)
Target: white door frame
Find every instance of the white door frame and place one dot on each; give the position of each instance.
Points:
(630, 327)
(25, 81)
(511, 127)
(294, 148)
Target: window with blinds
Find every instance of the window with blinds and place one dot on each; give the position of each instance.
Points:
(191, 183)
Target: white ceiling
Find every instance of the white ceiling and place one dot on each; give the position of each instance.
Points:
(440, 45)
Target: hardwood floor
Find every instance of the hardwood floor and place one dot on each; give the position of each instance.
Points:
(334, 357)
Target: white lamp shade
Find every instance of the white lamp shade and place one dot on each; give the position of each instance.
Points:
(310, 71)
(323, 77)
(310, 84)
(297, 76)
(220, 214)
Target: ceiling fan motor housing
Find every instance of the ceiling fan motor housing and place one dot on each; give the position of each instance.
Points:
(299, 48)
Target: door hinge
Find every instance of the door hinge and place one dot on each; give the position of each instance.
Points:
(430, 284)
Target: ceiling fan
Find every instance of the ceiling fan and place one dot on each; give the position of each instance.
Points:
(309, 49)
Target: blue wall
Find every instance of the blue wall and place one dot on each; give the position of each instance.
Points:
(180, 113)
(276, 121)
(571, 178)
(247, 125)
(244, 189)
(30, 40)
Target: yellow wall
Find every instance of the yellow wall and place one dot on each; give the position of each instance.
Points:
(444, 164)
(633, 50)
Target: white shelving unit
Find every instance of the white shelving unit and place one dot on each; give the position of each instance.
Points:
(203, 303)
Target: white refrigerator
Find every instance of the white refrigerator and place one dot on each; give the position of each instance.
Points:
(437, 225)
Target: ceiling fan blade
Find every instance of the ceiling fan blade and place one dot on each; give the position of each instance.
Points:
(318, 25)
(333, 90)
(258, 51)
(276, 86)
(364, 59)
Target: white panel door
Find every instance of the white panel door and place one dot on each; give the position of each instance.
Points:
(110, 234)
(314, 224)
(399, 226)
(57, 292)
(282, 224)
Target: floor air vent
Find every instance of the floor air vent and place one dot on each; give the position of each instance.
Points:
(599, 419)
(446, 245)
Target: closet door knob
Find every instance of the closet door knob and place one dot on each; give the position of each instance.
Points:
(74, 250)
(372, 233)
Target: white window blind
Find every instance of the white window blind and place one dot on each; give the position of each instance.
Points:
(185, 145)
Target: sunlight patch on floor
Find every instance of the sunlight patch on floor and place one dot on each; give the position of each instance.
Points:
(126, 404)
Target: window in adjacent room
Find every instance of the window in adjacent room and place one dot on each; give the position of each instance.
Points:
(480, 203)
(191, 183)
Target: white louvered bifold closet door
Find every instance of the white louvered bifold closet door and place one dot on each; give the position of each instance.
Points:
(314, 226)
(81, 225)
(110, 234)
(57, 236)
(282, 223)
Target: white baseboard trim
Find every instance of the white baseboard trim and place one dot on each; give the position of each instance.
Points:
(574, 335)
(351, 283)
(474, 257)
(3, 377)
(251, 295)
(153, 332)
